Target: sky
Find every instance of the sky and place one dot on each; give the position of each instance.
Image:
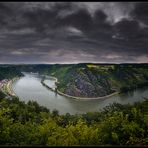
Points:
(73, 32)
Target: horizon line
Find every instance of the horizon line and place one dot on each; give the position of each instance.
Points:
(71, 63)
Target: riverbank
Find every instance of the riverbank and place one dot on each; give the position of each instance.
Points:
(7, 87)
(73, 97)
(84, 98)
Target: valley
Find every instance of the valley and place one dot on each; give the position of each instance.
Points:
(32, 107)
(78, 88)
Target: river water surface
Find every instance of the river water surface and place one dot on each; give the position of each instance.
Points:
(29, 87)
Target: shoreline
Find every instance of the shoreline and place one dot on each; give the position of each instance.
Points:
(13, 80)
(73, 97)
(84, 98)
(7, 87)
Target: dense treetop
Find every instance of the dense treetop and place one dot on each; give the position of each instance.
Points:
(31, 124)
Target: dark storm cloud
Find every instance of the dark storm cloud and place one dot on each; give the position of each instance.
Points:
(68, 32)
(141, 12)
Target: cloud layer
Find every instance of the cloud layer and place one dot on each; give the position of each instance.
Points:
(72, 32)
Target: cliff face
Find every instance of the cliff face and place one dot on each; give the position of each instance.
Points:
(90, 80)
(84, 83)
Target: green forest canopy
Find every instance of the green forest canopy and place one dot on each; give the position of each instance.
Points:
(31, 124)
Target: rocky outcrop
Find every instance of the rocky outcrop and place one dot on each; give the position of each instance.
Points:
(84, 83)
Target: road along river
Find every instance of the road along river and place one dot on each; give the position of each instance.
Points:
(29, 87)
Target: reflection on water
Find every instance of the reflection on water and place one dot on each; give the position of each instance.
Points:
(56, 95)
(124, 96)
(29, 87)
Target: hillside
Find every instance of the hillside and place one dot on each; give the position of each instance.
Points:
(9, 72)
(33, 125)
(96, 80)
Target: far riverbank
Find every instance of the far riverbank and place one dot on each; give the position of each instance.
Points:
(73, 97)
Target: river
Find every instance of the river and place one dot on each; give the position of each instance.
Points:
(29, 87)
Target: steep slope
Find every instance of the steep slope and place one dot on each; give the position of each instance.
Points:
(84, 83)
(94, 80)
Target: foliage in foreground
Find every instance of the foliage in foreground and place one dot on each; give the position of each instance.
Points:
(31, 124)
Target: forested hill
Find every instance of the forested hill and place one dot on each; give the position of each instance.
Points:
(94, 80)
(33, 125)
(9, 72)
